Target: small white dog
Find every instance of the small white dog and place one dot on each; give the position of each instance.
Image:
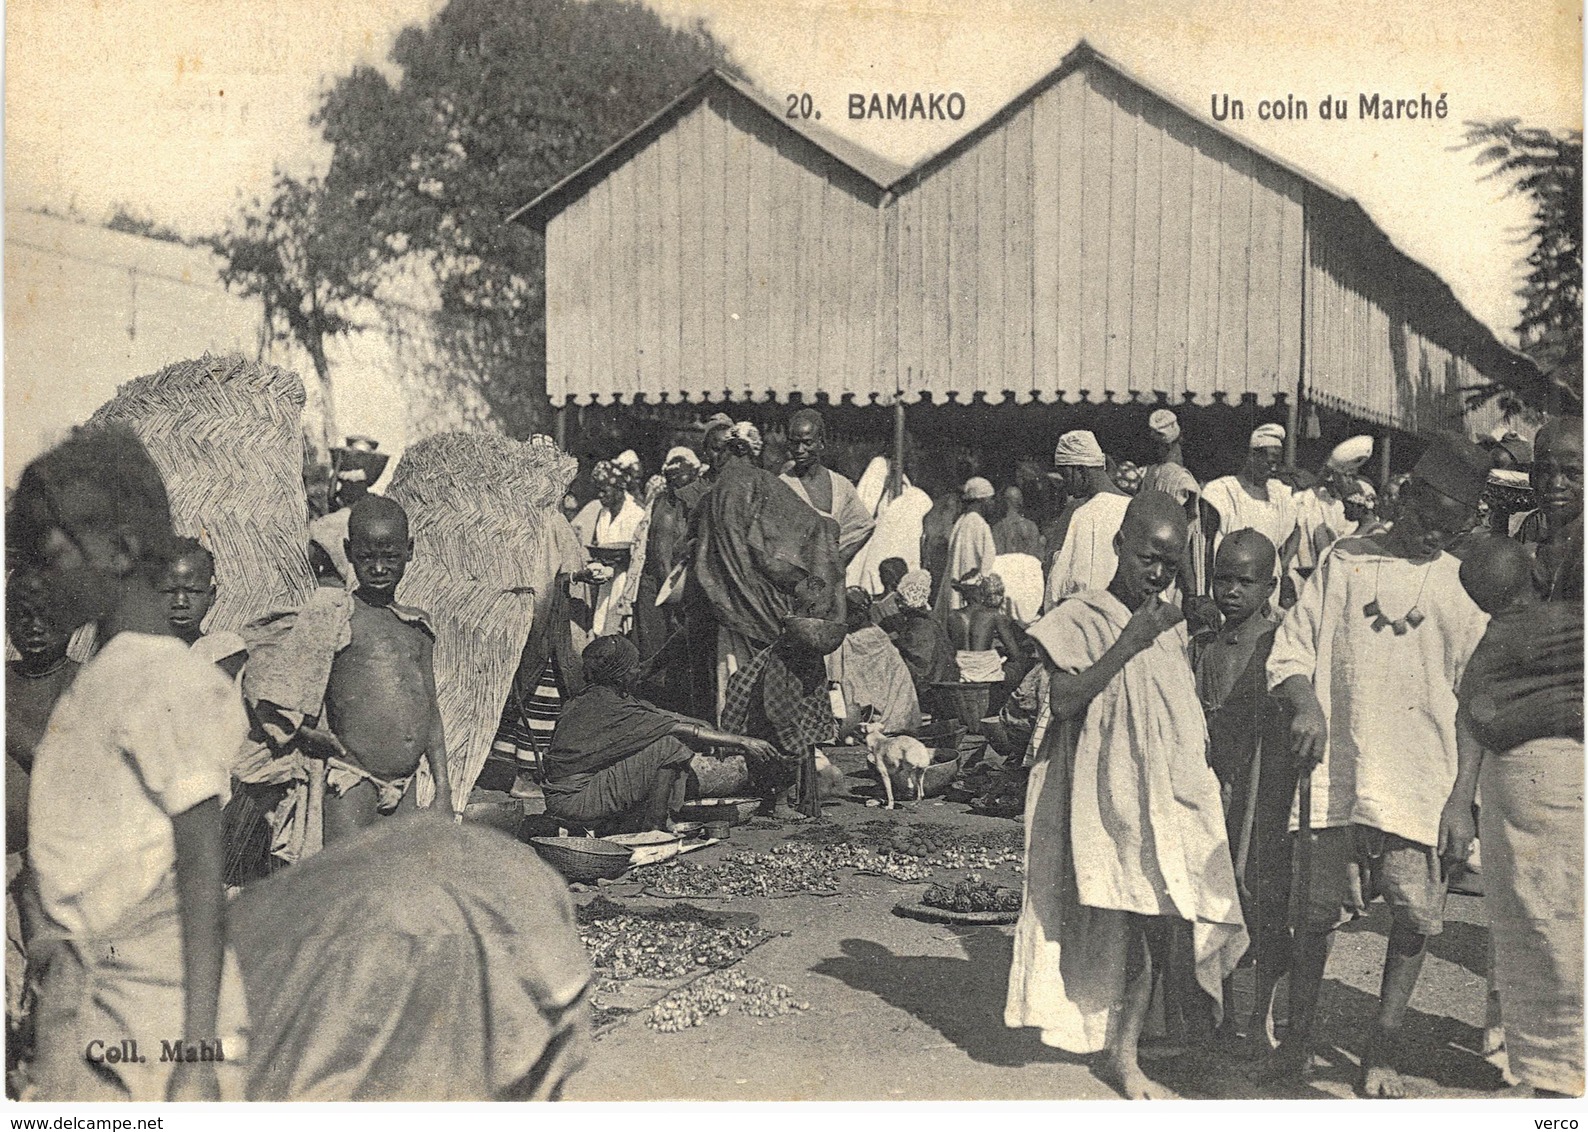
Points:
(897, 758)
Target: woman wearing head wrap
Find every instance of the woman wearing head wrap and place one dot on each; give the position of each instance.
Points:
(616, 760)
(1253, 497)
(922, 640)
(608, 525)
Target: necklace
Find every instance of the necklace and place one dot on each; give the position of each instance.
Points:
(1400, 625)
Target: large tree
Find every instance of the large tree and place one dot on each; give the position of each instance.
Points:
(1545, 167)
(494, 103)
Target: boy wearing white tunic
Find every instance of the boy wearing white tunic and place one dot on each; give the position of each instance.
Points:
(1370, 659)
(1124, 827)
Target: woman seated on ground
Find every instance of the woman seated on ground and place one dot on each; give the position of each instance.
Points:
(871, 674)
(617, 763)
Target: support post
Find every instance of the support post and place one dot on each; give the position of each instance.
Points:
(896, 474)
(562, 427)
(1384, 458)
(1292, 426)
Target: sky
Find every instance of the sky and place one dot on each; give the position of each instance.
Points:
(180, 110)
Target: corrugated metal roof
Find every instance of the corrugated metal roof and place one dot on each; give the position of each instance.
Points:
(878, 171)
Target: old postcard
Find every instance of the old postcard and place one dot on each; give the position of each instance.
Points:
(694, 550)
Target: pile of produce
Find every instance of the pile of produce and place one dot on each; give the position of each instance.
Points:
(785, 870)
(717, 994)
(664, 943)
(973, 895)
(943, 846)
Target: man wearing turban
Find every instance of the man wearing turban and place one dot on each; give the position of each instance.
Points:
(1253, 498)
(1086, 559)
(971, 546)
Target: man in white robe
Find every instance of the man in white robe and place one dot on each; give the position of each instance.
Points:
(971, 549)
(1086, 559)
(1124, 826)
(827, 493)
(1252, 498)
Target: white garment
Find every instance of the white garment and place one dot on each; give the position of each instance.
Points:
(146, 732)
(1022, 575)
(970, 547)
(896, 535)
(1086, 560)
(1122, 816)
(1389, 698)
(1321, 519)
(1238, 509)
(848, 513)
(873, 486)
(610, 532)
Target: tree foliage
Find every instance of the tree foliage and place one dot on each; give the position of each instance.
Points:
(494, 104)
(1547, 168)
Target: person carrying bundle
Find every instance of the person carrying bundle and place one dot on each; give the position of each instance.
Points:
(345, 689)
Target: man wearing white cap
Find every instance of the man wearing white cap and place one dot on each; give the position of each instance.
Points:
(971, 548)
(827, 493)
(1169, 475)
(1252, 498)
(1086, 559)
(1320, 509)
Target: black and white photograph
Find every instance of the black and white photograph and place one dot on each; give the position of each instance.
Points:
(709, 551)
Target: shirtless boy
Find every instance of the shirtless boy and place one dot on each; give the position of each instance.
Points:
(380, 703)
(1251, 759)
(980, 632)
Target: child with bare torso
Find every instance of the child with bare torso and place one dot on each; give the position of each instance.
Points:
(980, 630)
(380, 702)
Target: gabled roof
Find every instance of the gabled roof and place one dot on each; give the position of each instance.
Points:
(877, 172)
(1492, 356)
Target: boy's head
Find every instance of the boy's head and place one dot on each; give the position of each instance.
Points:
(30, 624)
(1243, 575)
(188, 587)
(891, 572)
(990, 591)
(1440, 500)
(1150, 545)
(378, 545)
(1498, 575)
(1557, 469)
(92, 517)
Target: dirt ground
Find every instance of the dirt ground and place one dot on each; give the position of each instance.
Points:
(904, 1010)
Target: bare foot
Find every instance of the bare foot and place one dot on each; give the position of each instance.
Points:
(1125, 1075)
(1382, 1082)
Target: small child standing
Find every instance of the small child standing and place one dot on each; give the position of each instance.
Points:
(135, 983)
(1250, 755)
(189, 589)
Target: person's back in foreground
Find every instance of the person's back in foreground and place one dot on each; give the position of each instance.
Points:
(138, 999)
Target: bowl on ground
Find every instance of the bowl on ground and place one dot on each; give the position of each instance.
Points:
(584, 859)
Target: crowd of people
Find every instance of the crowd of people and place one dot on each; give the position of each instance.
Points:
(1232, 714)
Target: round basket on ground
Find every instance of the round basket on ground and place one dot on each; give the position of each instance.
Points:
(925, 912)
(938, 776)
(964, 702)
(584, 859)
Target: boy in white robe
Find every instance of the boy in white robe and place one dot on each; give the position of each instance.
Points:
(1124, 826)
(1370, 659)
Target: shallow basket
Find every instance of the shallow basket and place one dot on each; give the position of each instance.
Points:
(734, 810)
(965, 702)
(584, 858)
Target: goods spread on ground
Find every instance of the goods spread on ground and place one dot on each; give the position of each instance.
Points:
(718, 993)
(808, 862)
(661, 943)
(972, 895)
